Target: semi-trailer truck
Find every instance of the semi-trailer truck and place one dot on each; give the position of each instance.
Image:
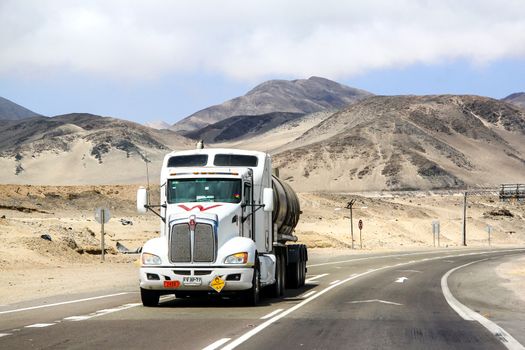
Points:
(226, 226)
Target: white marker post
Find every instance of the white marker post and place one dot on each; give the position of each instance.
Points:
(102, 215)
(360, 237)
(489, 231)
(435, 231)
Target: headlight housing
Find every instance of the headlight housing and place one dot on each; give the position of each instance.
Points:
(237, 258)
(150, 259)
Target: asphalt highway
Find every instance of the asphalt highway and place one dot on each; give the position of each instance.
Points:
(398, 300)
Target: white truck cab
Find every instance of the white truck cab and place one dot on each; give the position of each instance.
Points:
(224, 225)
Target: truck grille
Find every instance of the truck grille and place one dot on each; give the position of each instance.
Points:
(204, 245)
(180, 247)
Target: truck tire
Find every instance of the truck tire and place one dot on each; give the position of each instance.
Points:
(150, 298)
(276, 289)
(293, 274)
(252, 295)
(303, 273)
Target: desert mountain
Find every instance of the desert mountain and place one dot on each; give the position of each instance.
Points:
(157, 124)
(81, 148)
(517, 99)
(242, 127)
(12, 111)
(409, 142)
(297, 96)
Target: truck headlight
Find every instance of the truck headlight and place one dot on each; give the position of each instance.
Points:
(237, 258)
(150, 259)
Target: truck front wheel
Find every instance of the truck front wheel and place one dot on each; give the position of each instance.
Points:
(252, 295)
(149, 298)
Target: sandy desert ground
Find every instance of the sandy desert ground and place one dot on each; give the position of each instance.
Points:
(31, 266)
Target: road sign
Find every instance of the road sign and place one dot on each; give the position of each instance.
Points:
(360, 224)
(102, 215)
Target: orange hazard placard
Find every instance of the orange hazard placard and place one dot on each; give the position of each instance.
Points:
(217, 284)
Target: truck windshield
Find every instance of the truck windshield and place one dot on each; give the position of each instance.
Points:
(204, 190)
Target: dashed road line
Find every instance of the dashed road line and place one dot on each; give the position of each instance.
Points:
(63, 303)
(40, 325)
(396, 256)
(101, 312)
(312, 279)
(415, 271)
(334, 282)
(76, 318)
(217, 344)
(271, 314)
(4, 334)
(309, 294)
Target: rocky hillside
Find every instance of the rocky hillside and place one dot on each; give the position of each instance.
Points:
(410, 142)
(296, 96)
(11, 111)
(517, 99)
(157, 124)
(242, 127)
(80, 148)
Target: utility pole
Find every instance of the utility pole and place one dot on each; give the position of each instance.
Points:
(349, 205)
(465, 218)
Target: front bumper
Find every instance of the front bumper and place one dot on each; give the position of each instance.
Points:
(243, 278)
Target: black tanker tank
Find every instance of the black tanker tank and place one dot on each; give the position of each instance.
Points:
(286, 210)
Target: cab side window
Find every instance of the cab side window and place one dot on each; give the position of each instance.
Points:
(247, 193)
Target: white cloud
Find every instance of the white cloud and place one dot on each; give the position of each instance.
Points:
(249, 40)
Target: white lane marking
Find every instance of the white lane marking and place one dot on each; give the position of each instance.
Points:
(334, 282)
(62, 303)
(401, 280)
(76, 318)
(374, 301)
(470, 315)
(415, 271)
(101, 312)
(218, 343)
(397, 256)
(4, 334)
(274, 319)
(39, 325)
(311, 279)
(449, 261)
(308, 294)
(271, 314)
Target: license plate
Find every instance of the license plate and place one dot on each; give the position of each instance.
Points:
(192, 281)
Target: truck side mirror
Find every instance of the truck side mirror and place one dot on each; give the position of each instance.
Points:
(268, 199)
(142, 200)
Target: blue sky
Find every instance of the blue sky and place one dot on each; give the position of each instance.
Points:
(163, 60)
